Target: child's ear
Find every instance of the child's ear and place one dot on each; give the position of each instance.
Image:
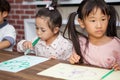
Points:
(81, 23)
(56, 30)
(5, 14)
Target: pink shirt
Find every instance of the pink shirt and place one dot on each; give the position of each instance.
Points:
(103, 56)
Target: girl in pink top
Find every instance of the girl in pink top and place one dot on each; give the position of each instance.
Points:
(100, 47)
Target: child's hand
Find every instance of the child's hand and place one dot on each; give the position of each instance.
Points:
(27, 45)
(74, 58)
(53, 57)
(116, 66)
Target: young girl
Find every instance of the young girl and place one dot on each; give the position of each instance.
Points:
(100, 47)
(51, 44)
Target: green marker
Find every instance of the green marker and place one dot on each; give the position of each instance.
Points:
(33, 44)
(107, 74)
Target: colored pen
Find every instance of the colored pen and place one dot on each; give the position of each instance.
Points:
(33, 44)
(107, 74)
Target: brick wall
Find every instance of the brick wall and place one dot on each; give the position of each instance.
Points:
(18, 13)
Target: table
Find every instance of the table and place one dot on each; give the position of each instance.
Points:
(27, 74)
(31, 73)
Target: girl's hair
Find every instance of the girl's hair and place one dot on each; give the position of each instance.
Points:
(4, 6)
(85, 8)
(51, 12)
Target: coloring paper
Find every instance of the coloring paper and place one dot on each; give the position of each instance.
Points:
(77, 72)
(21, 63)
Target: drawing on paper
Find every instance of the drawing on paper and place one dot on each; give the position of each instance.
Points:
(73, 72)
(20, 63)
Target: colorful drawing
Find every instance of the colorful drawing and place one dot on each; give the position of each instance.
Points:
(21, 63)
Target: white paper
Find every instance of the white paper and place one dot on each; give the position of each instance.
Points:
(21, 63)
(74, 72)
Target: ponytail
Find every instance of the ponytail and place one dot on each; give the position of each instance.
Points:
(111, 30)
(73, 34)
(54, 4)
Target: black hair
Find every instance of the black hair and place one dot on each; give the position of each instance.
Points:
(55, 18)
(88, 5)
(4, 6)
(84, 9)
(114, 17)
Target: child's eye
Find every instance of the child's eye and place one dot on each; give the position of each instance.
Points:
(37, 28)
(103, 19)
(92, 20)
(43, 30)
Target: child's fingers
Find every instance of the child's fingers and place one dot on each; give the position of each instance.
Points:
(30, 46)
(74, 58)
(52, 57)
(71, 60)
(27, 45)
(116, 66)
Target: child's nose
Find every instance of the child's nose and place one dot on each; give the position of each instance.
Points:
(39, 32)
(99, 24)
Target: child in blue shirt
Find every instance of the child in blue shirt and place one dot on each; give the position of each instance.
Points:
(7, 31)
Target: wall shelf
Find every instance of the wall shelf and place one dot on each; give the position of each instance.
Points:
(66, 2)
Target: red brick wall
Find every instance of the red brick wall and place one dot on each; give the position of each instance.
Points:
(18, 13)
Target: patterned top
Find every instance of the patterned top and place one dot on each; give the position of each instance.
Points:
(103, 56)
(61, 48)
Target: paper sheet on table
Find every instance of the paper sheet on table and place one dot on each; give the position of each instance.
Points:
(21, 63)
(74, 72)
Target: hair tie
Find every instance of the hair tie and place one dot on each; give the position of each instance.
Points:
(49, 7)
(76, 12)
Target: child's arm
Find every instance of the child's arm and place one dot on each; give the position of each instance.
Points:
(9, 38)
(113, 61)
(4, 44)
(23, 45)
(116, 65)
